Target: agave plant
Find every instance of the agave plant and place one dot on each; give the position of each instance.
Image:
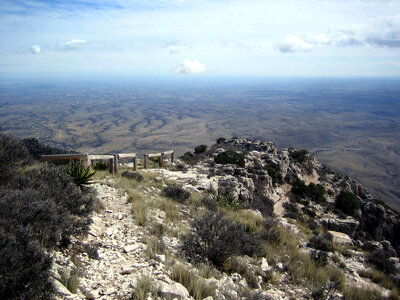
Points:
(79, 173)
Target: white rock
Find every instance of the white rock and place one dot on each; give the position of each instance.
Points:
(172, 290)
(264, 265)
(130, 248)
(341, 238)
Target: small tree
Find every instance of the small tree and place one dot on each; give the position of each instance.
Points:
(221, 140)
(200, 149)
(347, 202)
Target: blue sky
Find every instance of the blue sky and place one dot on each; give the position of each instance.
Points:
(275, 38)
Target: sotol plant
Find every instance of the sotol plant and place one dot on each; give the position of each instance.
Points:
(79, 173)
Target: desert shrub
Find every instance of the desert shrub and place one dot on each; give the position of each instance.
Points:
(347, 202)
(12, 154)
(132, 175)
(221, 140)
(79, 174)
(24, 267)
(320, 257)
(263, 204)
(176, 192)
(292, 211)
(101, 166)
(209, 202)
(299, 155)
(230, 157)
(52, 183)
(270, 232)
(214, 238)
(49, 223)
(200, 149)
(380, 258)
(188, 156)
(321, 242)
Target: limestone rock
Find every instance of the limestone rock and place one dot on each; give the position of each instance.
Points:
(173, 290)
(341, 238)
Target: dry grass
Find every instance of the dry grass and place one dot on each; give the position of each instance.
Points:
(170, 208)
(197, 286)
(144, 287)
(154, 246)
(251, 221)
(357, 293)
(139, 211)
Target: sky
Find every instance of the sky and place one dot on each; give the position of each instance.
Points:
(254, 38)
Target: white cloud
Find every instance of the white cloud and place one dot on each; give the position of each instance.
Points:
(294, 44)
(35, 49)
(73, 44)
(188, 66)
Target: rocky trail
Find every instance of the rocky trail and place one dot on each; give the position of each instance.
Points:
(121, 255)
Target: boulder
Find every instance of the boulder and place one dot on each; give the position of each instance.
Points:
(341, 238)
(173, 290)
(347, 226)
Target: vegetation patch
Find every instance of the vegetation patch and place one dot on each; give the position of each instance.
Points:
(197, 287)
(214, 238)
(347, 202)
(300, 155)
(176, 192)
(230, 157)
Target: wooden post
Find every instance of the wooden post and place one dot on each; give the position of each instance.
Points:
(87, 161)
(116, 164)
(145, 162)
(134, 164)
(161, 160)
(111, 162)
(172, 156)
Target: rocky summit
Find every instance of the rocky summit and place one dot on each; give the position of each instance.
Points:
(240, 220)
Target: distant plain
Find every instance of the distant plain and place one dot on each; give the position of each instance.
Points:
(351, 125)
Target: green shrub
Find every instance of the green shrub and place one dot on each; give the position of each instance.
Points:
(101, 166)
(347, 202)
(303, 193)
(188, 156)
(200, 149)
(228, 201)
(275, 176)
(299, 155)
(221, 140)
(230, 157)
(80, 175)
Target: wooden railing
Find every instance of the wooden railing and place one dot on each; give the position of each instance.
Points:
(113, 159)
